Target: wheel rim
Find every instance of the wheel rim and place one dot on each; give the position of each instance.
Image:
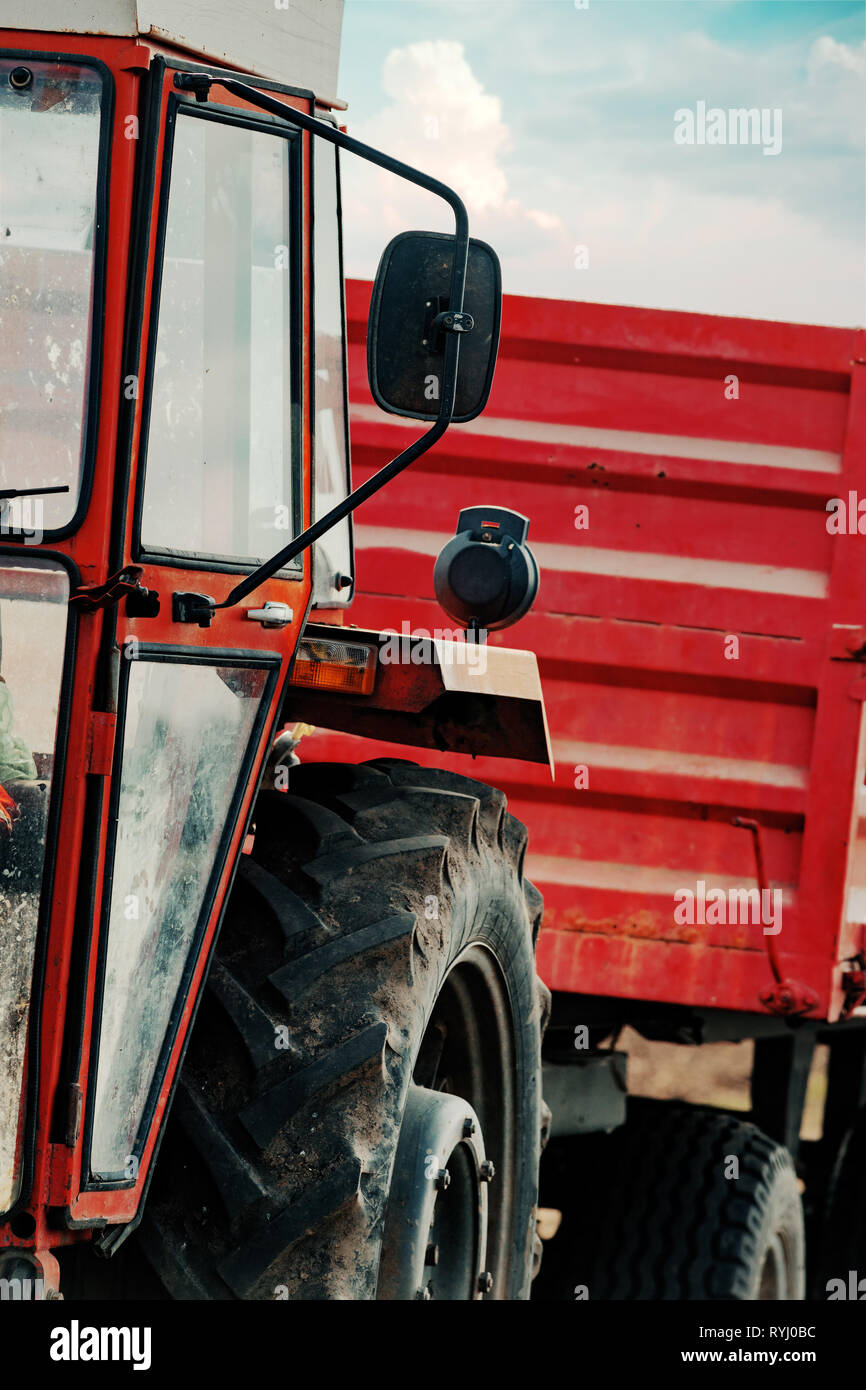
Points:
(458, 1232)
(464, 1080)
(773, 1282)
(435, 1238)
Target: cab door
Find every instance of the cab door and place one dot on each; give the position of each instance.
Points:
(219, 386)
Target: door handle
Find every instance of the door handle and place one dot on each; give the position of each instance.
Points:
(272, 615)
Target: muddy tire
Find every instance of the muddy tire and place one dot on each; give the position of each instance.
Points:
(842, 1243)
(651, 1213)
(371, 1022)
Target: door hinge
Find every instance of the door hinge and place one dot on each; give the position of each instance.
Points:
(135, 58)
(847, 643)
(74, 1104)
(100, 752)
(140, 602)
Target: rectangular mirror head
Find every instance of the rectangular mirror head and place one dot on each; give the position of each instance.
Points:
(405, 352)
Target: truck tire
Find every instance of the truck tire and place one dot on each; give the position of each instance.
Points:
(652, 1214)
(358, 1115)
(842, 1239)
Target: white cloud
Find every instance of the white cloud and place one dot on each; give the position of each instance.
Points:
(664, 244)
(594, 164)
(440, 119)
(547, 221)
(439, 107)
(827, 52)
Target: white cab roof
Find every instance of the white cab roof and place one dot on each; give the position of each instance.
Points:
(291, 41)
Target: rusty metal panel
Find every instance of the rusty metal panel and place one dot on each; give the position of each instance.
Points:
(677, 471)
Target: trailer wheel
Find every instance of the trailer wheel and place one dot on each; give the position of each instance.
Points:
(842, 1241)
(358, 1114)
(655, 1211)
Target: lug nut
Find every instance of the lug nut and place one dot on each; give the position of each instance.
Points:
(485, 1282)
(469, 1128)
(487, 1172)
(432, 1255)
(443, 1180)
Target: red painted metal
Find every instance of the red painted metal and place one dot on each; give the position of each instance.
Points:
(58, 1180)
(705, 451)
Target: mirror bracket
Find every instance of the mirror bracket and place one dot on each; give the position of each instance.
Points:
(192, 608)
(451, 322)
(199, 83)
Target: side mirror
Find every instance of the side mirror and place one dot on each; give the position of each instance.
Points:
(405, 350)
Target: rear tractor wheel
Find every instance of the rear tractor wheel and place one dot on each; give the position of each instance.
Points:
(358, 1115)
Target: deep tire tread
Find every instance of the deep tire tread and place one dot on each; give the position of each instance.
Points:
(665, 1223)
(297, 1069)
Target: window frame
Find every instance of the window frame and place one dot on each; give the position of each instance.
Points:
(167, 557)
(332, 600)
(92, 400)
(157, 653)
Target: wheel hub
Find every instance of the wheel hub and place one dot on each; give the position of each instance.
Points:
(435, 1239)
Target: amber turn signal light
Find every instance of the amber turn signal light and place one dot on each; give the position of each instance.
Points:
(343, 666)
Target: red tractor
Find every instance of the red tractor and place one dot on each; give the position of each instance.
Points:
(267, 1030)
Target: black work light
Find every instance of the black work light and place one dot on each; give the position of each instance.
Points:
(486, 576)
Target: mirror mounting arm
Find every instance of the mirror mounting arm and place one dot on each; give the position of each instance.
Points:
(448, 322)
(199, 608)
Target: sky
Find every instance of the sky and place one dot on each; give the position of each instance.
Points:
(556, 122)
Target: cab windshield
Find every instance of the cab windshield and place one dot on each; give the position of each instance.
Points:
(49, 161)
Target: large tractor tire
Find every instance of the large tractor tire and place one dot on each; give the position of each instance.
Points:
(358, 1113)
(681, 1203)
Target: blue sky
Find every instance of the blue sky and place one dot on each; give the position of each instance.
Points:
(556, 125)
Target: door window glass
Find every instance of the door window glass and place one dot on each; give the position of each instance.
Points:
(186, 731)
(218, 478)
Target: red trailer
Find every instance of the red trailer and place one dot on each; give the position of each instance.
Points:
(258, 1045)
(694, 487)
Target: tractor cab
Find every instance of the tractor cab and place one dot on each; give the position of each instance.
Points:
(175, 535)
